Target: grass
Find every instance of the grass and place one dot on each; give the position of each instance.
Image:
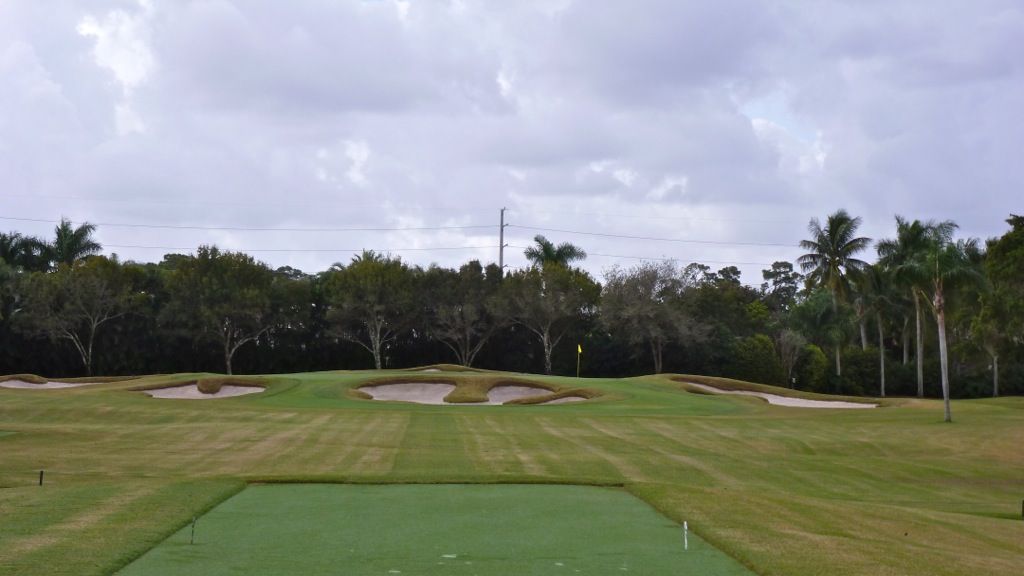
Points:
(782, 490)
(433, 529)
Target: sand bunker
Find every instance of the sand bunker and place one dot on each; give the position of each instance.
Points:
(565, 400)
(502, 394)
(435, 393)
(418, 392)
(429, 370)
(785, 400)
(191, 392)
(52, 384)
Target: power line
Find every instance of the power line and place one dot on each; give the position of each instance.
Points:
(292, 202)
(665, 259)
(326, 250)
(256, 229)
(651, 238)
(648, 217)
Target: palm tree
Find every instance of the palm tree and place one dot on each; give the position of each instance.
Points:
(545, 252)
(72, 244)
(902, 255)
(877, 295)
(25, 252)
(830, 259)
(945, 264)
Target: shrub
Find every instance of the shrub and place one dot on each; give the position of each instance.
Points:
(812, 369)
(754, 360)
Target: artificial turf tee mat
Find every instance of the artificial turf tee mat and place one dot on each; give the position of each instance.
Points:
(433, 529)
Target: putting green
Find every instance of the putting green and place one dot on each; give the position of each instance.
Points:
(433, 529)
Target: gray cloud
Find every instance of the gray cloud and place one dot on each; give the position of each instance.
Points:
(729, 121)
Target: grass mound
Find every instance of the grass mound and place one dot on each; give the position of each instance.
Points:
(205, 384)
(563, 393)
(445, 368)
(32, 378)
(36, 379)
(213, 385)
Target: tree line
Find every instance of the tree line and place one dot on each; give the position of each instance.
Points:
(932, 315)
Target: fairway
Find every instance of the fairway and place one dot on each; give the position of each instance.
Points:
(433, 529)
(287, 477)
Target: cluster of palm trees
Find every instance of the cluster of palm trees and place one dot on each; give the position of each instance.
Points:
(70, 244)
(921, 264)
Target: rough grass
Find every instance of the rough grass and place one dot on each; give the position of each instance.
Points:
(782, 490)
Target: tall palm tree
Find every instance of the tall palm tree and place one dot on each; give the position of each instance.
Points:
(945, 264)
(72, 243)
(902, 255)
(830, 260)
(545, 252)
(876, 290)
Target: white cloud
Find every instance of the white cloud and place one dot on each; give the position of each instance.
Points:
(121, 44)
(358, 153)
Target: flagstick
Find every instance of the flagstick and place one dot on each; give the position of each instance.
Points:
(578, 356)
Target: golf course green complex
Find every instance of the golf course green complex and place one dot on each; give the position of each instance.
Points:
(433, 529)
(312, 474)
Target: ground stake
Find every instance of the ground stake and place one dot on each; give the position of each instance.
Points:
(40, 477)
(686, 536)
(192, 540)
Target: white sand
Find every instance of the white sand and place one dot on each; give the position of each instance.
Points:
(52, 384)
(191, 392)
(785, 400)
(434, 393)
(502, 394)
(565, 400)
(430, 370)
(418, 392)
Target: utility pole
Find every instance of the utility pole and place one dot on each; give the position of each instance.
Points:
(501, 244)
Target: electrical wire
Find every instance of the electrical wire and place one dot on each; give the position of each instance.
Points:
(650, 238)
(255, 229)
(326, 250)
(662, 258)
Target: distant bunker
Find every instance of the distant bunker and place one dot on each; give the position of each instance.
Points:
(34, 382)
(207, 389)
(777, 400)
(470, 392)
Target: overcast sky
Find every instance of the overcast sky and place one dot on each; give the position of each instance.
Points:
(729, 122)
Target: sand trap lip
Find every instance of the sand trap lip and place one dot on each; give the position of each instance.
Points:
(191, 392)
(416, 392)
(51, 385)
(785, 400)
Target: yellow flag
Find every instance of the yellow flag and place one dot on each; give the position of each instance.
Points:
(579, 348)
